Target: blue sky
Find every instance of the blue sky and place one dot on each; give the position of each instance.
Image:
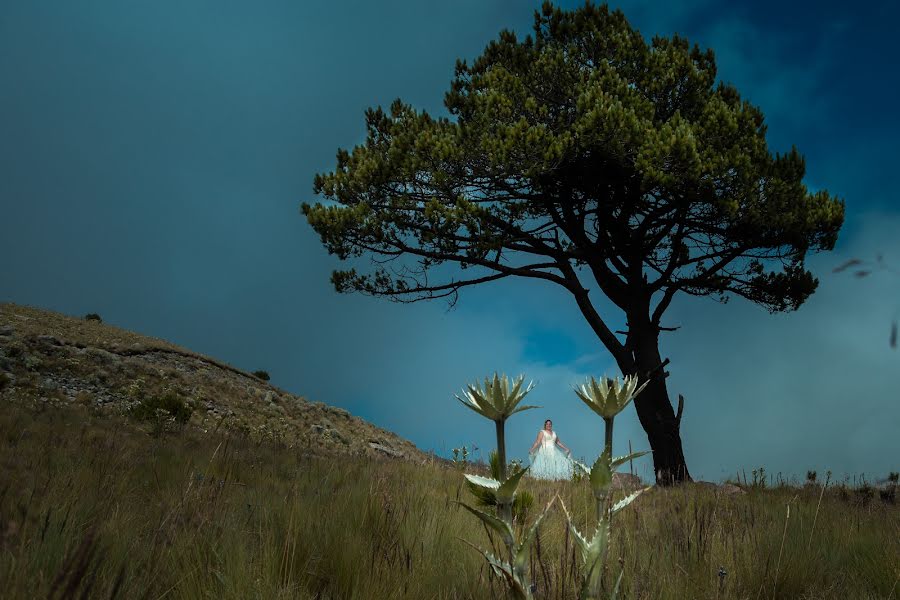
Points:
(154, 157)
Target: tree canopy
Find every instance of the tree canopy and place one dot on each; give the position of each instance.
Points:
(580, 148)
(582, 155)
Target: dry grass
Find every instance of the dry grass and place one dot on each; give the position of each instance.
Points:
(88, 504)
(235, 506)
(31, 321)
(53, 360)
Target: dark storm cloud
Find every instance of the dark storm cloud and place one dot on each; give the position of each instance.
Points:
(154, 157)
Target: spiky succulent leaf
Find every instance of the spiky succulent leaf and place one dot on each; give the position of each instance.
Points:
(608, 397)
(494, 399)
(601, 476)
(503, 569)
(524, 408)
(634, 393)
(486, 482)
(519, 590)
(594, 557)
(498, 525)
(585, 396)
(506, 493)
(483, 488)
(517, 395)
(616, 398)
(581, 541)
(512, 398)
(599, 543)
(474, 402)
(615, 592)
(524, 547)
(516, 387)
(601, 392)
(486, 402)
(628, 391)
(580, 465)
(493, 392)
(620, 460)
(590, 587)
(591, 549)
(626, 501)
(498, 565)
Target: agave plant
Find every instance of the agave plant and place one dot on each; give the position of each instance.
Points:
(514, 571)
(608, 398)
(594, 550)
(498, 400)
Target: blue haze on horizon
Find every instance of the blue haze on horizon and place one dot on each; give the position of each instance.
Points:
(153, 157)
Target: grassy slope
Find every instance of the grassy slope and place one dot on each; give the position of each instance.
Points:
(52, 359)
(85, 503)
(234, 507)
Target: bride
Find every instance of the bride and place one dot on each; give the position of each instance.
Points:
(548, 462)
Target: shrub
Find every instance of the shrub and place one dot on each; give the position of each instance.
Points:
(149, 408)
(864, 493)
(461, 457)
(261, 375)
(889, 492)
(93, 317)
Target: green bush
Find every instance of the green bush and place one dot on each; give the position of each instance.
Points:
(93, 317)
(149, 408)
(522, 504)
(261, 375)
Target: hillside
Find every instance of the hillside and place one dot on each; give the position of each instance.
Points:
(48, 359)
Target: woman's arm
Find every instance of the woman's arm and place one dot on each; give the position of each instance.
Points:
(563, 446)
(536, 442)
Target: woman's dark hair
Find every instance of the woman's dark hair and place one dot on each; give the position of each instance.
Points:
(548, 421)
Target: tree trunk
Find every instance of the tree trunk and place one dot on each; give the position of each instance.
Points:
(501, 448)
(655, 411)
(658, 420)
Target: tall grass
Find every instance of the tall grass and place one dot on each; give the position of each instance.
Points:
(90, 508)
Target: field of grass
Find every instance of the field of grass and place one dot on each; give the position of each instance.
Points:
(93, 508)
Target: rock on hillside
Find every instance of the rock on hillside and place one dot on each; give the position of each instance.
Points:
(48, 359)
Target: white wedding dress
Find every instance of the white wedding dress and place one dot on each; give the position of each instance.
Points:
(549, 461)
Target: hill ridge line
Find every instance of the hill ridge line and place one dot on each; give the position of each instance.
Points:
(49, 359)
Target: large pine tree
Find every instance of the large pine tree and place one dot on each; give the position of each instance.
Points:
(582, 155)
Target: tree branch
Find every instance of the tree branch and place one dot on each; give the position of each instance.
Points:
(600, 328)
